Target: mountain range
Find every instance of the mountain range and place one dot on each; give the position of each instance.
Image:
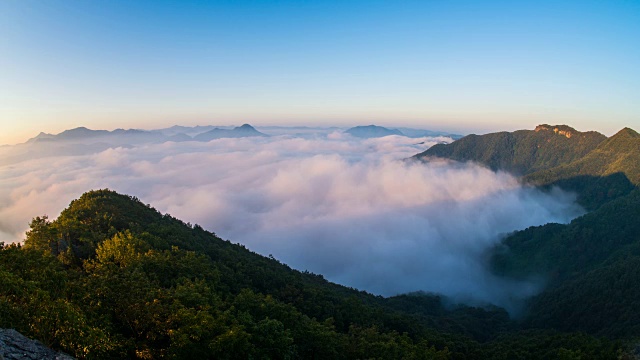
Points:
(112, 277)
(375, 131)
(133, 135)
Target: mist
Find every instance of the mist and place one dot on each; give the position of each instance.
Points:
(346, 208)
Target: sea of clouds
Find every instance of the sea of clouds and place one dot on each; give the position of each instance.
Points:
(347, 208)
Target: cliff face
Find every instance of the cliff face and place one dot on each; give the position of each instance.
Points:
(14, 345)
(563, 130)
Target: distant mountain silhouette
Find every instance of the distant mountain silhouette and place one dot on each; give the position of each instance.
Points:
(245, 130)
(417, 133)
(372, 131)
(83, 133)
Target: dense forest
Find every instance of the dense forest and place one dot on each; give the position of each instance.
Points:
(112, 277)
(521, 152)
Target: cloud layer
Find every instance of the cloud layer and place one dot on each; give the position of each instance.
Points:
(342, 207)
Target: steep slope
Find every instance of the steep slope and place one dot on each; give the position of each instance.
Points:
(245, 130)
(521, 152)
(590, 267)
(559, 251)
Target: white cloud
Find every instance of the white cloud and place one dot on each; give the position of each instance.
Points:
(335, 205)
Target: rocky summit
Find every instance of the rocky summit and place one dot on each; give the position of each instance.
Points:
(14, 345)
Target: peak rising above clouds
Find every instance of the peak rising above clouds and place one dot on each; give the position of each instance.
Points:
(333, 204)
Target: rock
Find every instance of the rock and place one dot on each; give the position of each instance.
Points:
(14, 345)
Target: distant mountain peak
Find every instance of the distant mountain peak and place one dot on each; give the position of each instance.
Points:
(43, 136)
(626, 132)
(78, 129)
(372, 131)
(244, 130)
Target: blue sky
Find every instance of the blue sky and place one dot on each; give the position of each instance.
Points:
(465, 66)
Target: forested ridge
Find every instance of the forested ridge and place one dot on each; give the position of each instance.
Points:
(112, 277)
(591, 266)
(598, 169)
(520, 152)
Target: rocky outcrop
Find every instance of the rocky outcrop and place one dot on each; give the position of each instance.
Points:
(14, 345)
(563, 130)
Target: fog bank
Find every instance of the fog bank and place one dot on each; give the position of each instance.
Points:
(342, 207)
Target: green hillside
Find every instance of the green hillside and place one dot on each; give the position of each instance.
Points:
(590, 267)
(561, 251)
(521, 152)
(114, 278)
(612, 169)
(591, 264)
(618, 154)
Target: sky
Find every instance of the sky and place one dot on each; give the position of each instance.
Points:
(460, 66)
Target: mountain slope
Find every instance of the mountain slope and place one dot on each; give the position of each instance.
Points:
(617, 154)
(561, 251)
(220, 297)
(114, 278)
(521, 152)
(590, 267)
(610, 170)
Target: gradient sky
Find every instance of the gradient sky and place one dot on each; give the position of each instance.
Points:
(464, 66)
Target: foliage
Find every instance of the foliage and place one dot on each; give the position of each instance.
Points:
(521, 152)
(590, 267)
(609, 171)
(113, 278)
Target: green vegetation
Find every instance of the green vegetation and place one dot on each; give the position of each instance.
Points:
(591, 266)
(597, 169)
(611, 170)
(113, 278)
(521, 152)
(617, 155)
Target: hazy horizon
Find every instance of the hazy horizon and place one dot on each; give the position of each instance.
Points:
(461, 66)
(450, 130)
